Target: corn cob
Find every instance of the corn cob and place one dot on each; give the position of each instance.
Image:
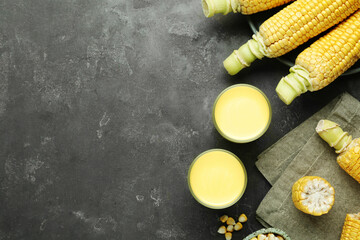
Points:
(246, 7)
(348, 149)
(289, 28)
(324, 61)
(313, 195)
(351, 228)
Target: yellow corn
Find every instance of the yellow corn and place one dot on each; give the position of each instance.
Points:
(289, 28)
(246, 7)
(324, 61)
(224, 218)
(238, 226)
(348, 149)
(228, 236)
(313, 195)
(230, 221)
(222, 230)
(351, 228)
(242, 218)
(350, 159)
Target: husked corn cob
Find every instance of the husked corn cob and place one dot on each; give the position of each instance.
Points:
(351, 228)
(246, 7)
(348, 149)
(324, 61)
(289, 28)
(313, 195)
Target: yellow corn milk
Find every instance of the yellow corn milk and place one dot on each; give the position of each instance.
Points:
(242, 113)
(217, 178)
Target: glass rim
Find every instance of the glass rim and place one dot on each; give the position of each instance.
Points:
(250, 139)
(232, 202)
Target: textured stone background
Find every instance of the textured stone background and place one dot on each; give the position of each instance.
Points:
(103, 106)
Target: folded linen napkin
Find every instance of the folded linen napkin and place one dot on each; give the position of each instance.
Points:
(303, 153)
(274, 160)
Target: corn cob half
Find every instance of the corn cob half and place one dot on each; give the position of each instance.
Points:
(324, 61)
(351, 228)
(246, 7)
(313, 195)
(348, 149)
(289, 28)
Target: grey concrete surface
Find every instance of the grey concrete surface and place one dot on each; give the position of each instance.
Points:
(103, 106)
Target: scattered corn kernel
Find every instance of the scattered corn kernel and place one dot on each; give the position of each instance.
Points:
(238, 226)
(230, 228)
(242, 218)
(224, 218)
(222, 230)
(254, 238)
(228, 236)
(230, 221)
(280, 237)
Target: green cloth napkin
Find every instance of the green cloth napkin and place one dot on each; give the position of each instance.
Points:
(303, 153)
(273, 161)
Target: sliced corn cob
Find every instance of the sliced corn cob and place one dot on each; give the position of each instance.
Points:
(324, 61)
(289, 28)
(351, 228)
(348, 149)
(313, 195)
(246, 7)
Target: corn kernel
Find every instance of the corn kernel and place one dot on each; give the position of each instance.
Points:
(224, 218)
(242, 218)
(222, 230)
(261, 237)
(230, 228)
(271, 236)
(238, 226)
(228, 236)
(230, 221)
